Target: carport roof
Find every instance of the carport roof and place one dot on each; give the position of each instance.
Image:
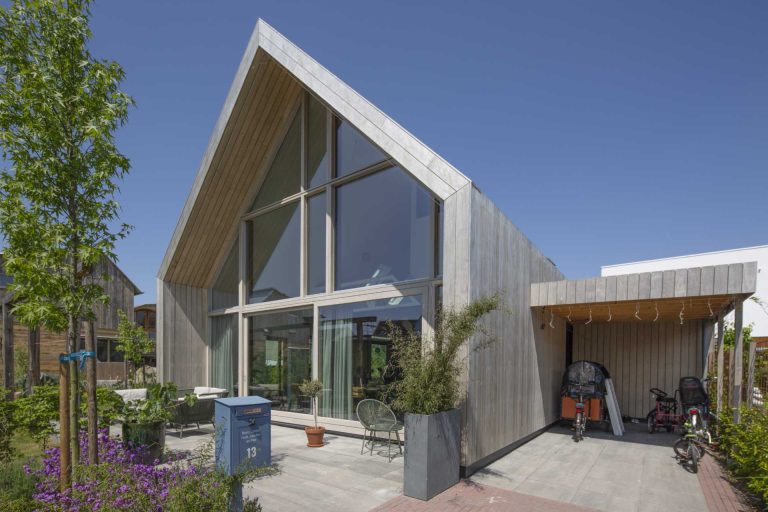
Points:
(697, 292)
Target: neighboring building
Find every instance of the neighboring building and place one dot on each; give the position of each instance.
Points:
(755, 311)
(145, 316)
(110, 365)
(315, 219)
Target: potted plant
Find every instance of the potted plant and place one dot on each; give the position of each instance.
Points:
(144, 420)
(428, 392)
(312, 389)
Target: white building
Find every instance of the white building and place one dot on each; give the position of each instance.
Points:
(755, 313)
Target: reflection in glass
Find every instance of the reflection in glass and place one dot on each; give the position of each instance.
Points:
(316, 244)
(280, 348)
(384, 230)
(115, 355)
(355, 350)
(224, 341)
(353, 151)
(317, 151)
(273, 254)
(224, 289)
(284, 175)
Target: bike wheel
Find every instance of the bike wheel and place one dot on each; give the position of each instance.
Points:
(681, 448)
(694, 455)
(577, 434)
(651, 420)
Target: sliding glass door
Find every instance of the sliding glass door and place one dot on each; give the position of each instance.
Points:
(280, 357)
(355, 350)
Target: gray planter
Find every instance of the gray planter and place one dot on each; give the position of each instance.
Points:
(432, 446)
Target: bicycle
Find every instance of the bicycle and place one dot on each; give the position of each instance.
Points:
(580, 421)
(690, 447)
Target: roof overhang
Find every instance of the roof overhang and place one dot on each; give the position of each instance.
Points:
(683, 294)
(266, 86)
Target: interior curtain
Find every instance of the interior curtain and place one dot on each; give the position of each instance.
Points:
(224, 352)
(336, 369)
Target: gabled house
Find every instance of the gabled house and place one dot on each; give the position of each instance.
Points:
(110, 365)
(313, 220)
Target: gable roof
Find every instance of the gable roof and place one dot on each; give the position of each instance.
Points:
(257, 110)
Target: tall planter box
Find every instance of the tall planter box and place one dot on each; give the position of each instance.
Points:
(432, 446)
(149, 435)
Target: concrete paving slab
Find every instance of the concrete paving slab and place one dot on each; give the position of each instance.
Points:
(636, 472)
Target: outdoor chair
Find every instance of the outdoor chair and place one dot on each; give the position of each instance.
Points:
(375, 416)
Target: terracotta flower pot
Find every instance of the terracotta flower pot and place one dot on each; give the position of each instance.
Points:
(315, 436)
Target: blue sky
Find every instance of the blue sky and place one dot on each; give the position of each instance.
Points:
(607, 131)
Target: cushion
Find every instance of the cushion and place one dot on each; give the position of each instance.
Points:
(202, 390)
(129, 395)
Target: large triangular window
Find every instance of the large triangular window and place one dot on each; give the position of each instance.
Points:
(353, 151)
(284, 176)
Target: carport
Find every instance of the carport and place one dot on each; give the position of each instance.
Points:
(649, 329)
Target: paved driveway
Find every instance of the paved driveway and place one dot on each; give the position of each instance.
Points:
(637, 472)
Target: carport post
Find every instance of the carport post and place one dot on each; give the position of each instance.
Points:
(738, 360)
(751, 374)
(720, 362)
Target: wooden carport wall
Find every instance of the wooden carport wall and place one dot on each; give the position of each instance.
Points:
(709, 292)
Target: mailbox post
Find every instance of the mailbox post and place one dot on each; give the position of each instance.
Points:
(243, 438)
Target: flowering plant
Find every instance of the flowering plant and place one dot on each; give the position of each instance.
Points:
(121, 483)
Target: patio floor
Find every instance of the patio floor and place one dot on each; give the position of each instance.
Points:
(636, 472)
(332, 478)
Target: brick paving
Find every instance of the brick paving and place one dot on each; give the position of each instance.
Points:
(717, 490)
(470, 496)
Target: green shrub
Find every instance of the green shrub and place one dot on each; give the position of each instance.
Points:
(7, 428)
(36, 414)
(109, 407)
(429, 377)
(745, 446)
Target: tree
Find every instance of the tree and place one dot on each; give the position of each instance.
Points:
(59, 110)
(134, 343)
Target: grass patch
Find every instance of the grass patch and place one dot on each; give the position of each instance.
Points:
(25, 447)
(16, 487)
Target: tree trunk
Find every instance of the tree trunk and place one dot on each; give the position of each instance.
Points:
(65, 475)
(74, 391)
(8, 362)
(33, 371)
(90, 385)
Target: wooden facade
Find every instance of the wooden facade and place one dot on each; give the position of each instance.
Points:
(641, 356)
(121, 291)
(512, 384)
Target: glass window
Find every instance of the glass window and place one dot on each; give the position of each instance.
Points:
(355, 350)
(316, 244)
(284, 175)
(224, 342)
(353, 151)
(102, 350)
(115, 356)
(273, 254)
(224, 289)
(384, 230)
(317, 150)
(280, 348)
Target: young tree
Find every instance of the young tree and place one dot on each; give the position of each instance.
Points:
(59, 110)
(134, 343)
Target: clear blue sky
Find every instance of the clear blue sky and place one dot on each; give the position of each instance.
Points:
(607, 131)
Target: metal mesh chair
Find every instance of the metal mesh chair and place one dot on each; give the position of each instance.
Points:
(375, 416)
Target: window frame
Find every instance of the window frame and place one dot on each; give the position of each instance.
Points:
(330, 296)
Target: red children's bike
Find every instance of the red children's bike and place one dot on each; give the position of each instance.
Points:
(664, 415)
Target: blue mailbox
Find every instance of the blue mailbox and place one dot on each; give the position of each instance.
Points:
(242, 432)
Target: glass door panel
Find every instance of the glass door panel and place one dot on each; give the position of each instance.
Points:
(280, 351)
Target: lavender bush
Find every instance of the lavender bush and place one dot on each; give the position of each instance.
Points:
(121, 483)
